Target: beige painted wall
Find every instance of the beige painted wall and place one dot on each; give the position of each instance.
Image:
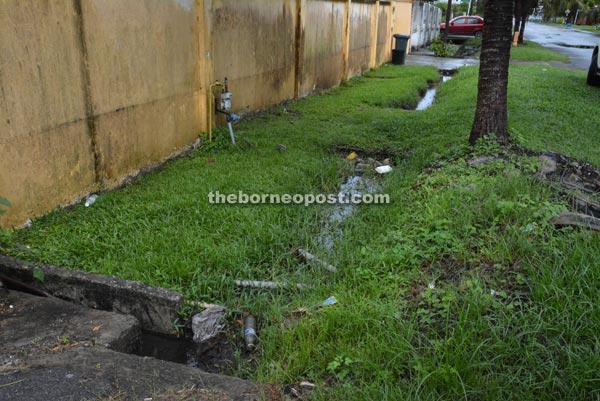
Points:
(323, 30)
(91, 91)
(402, 18)
(253, 46)
(45, 147)
(359, 55)
(143, 82)
(384, 34)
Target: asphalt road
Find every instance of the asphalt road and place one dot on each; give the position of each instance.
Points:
(562, 40)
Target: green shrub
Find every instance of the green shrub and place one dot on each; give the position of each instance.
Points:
(440, 49)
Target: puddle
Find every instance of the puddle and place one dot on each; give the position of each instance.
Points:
(576, 46)
(429, 97)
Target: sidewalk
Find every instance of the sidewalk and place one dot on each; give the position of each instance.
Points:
(424, 58)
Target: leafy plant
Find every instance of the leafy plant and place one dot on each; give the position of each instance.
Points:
(341, 366)
(38, 274)
(440, 49)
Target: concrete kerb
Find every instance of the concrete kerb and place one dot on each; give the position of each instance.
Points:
(155, 308)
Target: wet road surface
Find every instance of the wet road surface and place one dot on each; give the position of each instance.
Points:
(562, 40)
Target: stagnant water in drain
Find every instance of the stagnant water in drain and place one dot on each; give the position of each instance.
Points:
(216, 357)
(354, 185)
(429, 97)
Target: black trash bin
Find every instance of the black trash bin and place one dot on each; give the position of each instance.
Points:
(399, 50)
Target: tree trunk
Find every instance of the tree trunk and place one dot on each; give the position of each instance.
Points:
(528, 8)
(448, 13)
(491, 114)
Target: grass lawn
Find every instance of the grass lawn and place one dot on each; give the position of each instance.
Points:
(459, 289)
(531, 51)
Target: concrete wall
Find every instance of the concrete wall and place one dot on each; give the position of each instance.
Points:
(322, 38)
(46, 155)
(384, 34)
(253, 46)
(91, 91)
(426, 19)
(401, 24)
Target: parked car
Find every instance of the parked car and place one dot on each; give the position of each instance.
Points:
(466, 25)
(593, 77)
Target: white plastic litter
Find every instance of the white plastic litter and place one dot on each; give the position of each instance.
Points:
(209, 323)
(383, 169)
(90, 201)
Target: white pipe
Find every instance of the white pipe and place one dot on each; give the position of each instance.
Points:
(272, 285)
(231, 132)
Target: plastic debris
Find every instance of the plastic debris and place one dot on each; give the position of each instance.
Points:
(329, 301)
(209, 323)
(91, 200)
(271, 285)
(307, 385)
(383, 169)
(282, 148)
(250, 336)
(351, 156)
(28, 224)
(312, 259)
(431, 285)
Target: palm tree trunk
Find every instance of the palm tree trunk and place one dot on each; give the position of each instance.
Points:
(491, 114)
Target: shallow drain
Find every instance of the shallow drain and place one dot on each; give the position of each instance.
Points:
(217, 357)
(429, 97)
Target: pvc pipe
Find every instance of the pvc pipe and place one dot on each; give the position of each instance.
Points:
(211, 107)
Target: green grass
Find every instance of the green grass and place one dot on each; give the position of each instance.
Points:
(532, 51)
(468, 230)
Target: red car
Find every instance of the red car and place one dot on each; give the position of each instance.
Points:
(467, 25)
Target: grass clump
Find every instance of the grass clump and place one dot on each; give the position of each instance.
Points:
(457, 289)
(532, 51)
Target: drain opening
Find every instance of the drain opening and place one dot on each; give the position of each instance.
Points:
(219, 356)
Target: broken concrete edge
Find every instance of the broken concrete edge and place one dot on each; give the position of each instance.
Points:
(157, 309)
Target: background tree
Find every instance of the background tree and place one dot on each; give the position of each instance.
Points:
(448, 14)
(523, 8)
(491, 114)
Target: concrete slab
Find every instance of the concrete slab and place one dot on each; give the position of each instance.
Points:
(54, 350)
(31, 324)
(155, 308)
